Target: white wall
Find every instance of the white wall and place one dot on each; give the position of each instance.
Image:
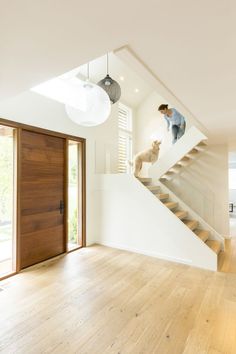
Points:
(204, 187)
(130, 217)
(33, 109)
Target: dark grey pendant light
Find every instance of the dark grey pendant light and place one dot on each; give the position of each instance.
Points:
(111, 87)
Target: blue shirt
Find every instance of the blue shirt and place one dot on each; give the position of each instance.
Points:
(175, 119)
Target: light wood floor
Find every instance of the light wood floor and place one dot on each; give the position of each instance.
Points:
(105, 301)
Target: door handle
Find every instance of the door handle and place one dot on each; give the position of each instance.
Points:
(62, 206)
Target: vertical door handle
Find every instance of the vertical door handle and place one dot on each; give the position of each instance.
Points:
(62, 206)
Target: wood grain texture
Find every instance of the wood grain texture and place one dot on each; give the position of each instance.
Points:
(42, 187)
(49, 185)
(102, 300)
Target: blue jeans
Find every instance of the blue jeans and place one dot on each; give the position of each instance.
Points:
(177, 132)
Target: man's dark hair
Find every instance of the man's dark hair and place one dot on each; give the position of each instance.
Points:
(162, 107)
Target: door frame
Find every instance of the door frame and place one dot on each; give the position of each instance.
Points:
(19, 127)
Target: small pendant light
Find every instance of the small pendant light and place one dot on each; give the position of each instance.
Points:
(111, 87)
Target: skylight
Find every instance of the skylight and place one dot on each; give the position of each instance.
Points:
(64, 89)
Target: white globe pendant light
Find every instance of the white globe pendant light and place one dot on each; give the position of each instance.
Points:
(92, 104)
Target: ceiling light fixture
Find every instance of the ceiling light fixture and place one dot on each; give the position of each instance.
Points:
(91, 106)
(111, 86)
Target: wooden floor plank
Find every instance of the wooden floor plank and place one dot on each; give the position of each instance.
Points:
(102, 300)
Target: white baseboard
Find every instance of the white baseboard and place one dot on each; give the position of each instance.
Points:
(146, 253)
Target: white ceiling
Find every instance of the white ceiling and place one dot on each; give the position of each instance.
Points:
(189, 45)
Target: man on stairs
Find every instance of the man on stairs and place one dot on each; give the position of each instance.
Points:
(175, 120)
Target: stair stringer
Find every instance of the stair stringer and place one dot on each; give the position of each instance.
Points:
(214, 235)
(129, 217)
(181, 148)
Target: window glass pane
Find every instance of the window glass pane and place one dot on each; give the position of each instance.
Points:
(7, 227)
(232, 178)
(74, 196)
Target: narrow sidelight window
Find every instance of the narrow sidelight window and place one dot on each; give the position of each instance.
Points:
(74, 195)
(7, 201)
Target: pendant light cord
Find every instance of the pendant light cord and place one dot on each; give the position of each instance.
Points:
(88, 72)
(107, 65)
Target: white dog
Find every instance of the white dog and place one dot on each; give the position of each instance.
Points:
(150, 155)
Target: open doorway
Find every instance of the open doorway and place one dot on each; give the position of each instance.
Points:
(7, 200)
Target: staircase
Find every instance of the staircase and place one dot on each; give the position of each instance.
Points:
(207, 235)
(149, 218)
(185, 161)
(181, 155)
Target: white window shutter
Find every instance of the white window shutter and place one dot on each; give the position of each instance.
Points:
(125, 138)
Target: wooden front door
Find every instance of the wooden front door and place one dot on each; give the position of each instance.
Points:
(42, 185)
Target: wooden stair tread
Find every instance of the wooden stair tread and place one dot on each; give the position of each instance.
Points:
(175, 169)
(214, 245)
(202, 143)
(181, 214)
(163, 196)
(193, 151)
(171, 205)
(185, 158)
(145, 179)
(178, 166)
(192, 224)
(202, 234)
(154, 189)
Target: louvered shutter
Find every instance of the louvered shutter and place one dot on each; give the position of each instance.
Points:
(125, 138)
